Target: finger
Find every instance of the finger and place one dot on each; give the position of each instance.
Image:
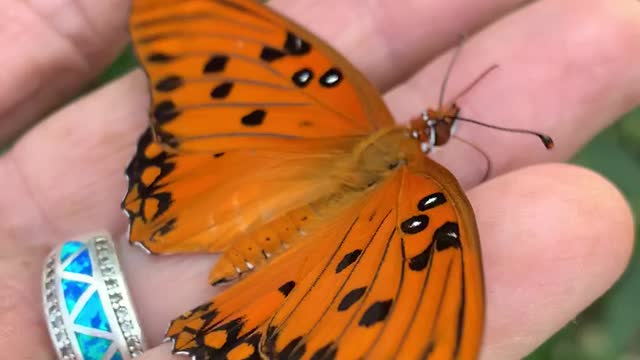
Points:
(81, 152)
(386, 41)
(549, 251)
(569, 78)
(52, 48)
(550, 248)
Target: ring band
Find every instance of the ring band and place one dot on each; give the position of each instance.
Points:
(86, 303)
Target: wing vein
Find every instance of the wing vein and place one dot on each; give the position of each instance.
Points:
(206, 15)
(190, 35)
(318, 278)
(344, 283)
(421, 296)
(373, 280)
(218, 78)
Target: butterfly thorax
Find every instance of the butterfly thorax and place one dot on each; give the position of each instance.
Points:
(379, 154)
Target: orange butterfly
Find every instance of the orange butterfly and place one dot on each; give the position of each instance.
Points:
(264, 139)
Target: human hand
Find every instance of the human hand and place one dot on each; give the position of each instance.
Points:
(554, 236)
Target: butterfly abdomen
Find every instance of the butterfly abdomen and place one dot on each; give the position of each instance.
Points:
(258, 247)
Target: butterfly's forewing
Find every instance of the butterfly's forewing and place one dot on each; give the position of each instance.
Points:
(403, 281)
(228, 74)
(199, 202)
(233, 86)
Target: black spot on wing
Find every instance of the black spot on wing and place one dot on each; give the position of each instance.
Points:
(431, 201)
(166, 228)
(294, 350)
(140, 162)
(216, 63)
(203, 308)
(327, 352)
(351, 298)
(415, 224)
(160, 58)
(420, 261)
(221, 91)
(302, 78)
(166, 138)
(272, 333)
(287, 288)
(165, 111)
(218, 155)
(295, 45)
(270, 54)
(347, 260)
(376, 313)
(254, 118)
(331, 78)
(447, 236)
(200, 349)
(428, 350)
(169, 83)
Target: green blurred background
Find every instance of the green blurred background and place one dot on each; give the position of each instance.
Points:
(610, 328)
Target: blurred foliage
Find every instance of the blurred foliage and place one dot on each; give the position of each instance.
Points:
(123, 64)
(610, 328)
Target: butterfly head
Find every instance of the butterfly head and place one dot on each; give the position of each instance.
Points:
(434, 127)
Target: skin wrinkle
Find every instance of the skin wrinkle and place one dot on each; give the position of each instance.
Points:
(10, 161)
(69, 36)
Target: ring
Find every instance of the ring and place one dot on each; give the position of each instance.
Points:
(87, 306)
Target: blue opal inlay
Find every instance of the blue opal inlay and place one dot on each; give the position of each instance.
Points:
(72, 291)
(69, 249)
(81, 264)
(92, 348)
(117, 356)
(92, 315)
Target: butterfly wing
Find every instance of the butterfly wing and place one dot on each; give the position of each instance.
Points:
(229, 74)
(407, 285)
(234, 87)
(403, 281)
(230, 326)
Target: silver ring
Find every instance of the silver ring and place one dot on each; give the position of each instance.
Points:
(86, 303)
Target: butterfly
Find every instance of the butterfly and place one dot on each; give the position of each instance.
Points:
(267, 146)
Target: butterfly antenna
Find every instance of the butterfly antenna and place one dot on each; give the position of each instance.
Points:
(447, 74)
(484, 154)
(474, 83)
(546, 140)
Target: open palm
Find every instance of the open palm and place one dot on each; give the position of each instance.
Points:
(554, 236)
